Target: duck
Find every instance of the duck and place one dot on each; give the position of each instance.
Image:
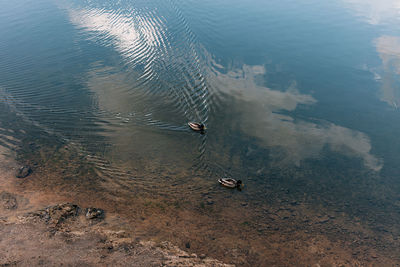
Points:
(230, 183)
(196, 126)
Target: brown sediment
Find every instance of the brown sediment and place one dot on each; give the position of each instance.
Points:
(35, 231)
(204, 221)
(62, 235)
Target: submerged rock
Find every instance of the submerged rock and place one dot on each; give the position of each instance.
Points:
(323, 219)
(61, 212)
(210, 201)
(94, 213)
(54, 215)
(8, 200)
(23, 172)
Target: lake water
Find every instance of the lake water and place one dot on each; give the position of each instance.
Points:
(300, 99)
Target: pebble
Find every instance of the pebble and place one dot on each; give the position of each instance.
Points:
(374, 256)
(9, 200)
(23, 172)
(94, 213)
(323, 219)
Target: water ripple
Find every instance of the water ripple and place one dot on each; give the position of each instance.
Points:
(163, 77)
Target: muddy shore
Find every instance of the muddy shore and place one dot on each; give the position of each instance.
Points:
(44, 221)
(66, 234)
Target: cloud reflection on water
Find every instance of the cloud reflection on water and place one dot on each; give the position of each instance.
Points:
(375, 12)
(127, 30)
(388, 48)
(158, 46)
(259, 107)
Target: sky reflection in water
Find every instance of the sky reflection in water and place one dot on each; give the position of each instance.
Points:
(295, 82)
(300, 98)
(260, 107)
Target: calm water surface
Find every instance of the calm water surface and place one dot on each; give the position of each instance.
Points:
(301, 98)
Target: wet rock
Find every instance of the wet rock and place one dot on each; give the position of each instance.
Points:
(54, 214)
(23, 172)
(323, 219)
(94, 213)
(61, 212)
(8, 200)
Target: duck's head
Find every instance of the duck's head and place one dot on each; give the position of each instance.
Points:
(239, 183)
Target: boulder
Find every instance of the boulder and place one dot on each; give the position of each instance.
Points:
(23, 172)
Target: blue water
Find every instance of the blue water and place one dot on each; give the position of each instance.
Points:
(297, 96)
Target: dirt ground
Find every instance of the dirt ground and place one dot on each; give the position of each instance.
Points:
(44, 221)
(68, 235)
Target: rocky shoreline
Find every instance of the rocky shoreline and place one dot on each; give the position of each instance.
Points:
(61, 212)
(34, 233)
(66, 234)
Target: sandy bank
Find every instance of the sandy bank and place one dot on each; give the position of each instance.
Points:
(66, 234)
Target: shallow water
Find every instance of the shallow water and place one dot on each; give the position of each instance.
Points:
(300, 100)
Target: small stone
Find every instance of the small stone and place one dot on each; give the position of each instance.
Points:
(94, 213)
(210, 202)
(68, 208)
(23, 172)
(323, 219)
(187, 245)
(202, 256)
(59, 213)
(9, 200)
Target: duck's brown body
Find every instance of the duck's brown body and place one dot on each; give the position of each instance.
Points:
(195, 126)
(229, 182)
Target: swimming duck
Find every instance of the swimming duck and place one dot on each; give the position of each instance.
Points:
(196, 126)
(230, 183)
